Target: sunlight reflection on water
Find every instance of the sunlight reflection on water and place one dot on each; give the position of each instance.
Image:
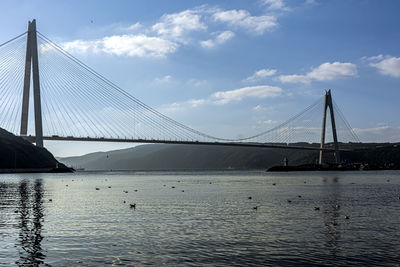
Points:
(200, 219)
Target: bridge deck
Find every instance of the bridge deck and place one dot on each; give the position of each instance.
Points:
(149, 141)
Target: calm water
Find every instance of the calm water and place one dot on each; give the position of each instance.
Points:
(207, 219)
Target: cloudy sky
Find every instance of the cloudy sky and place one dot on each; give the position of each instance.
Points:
(232, 67)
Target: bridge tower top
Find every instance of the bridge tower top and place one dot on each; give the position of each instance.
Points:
(328, 104)
(32, 65)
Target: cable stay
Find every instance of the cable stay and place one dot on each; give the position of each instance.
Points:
(79, 103)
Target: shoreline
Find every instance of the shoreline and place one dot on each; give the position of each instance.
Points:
(276, 169)
(36, 170)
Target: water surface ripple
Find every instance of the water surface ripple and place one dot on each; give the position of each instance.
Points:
(200, 219)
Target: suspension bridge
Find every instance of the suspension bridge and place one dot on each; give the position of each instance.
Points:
(73, 102)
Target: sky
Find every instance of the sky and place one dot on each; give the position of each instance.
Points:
(232, 68)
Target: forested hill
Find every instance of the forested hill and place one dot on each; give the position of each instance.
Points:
(198, 157)
(17, 153)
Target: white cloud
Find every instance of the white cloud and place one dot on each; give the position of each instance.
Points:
(386, 65)
(119, 28)
(171, 108)
(133, 27)
(81, 46)
(333, 71)
(260, 75)
(171, 31)
(324, 72)
(182, 106)
(258, 107)
(226, 97)
(124, 45)
(262, 91)
(294, 78)
(262, 108)
(44, 48)
(275, 4)
(164, 79)
(175, 26)
(138, 45)
(220, 39)
(197, 102)
(208, 43)
(174, 30)
(373, 58)
(243, 19)
(379, 134)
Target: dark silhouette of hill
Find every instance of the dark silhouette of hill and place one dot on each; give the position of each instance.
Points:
(186, 157)
(17, 153)
(379, 156)
(199, 157)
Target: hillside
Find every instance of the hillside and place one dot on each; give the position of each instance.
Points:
(183, 157)
(196, 157)
(17, 153)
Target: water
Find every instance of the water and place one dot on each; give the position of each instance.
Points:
(206, 220)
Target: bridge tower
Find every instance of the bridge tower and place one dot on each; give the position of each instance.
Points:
(328, 104)
(32, 63)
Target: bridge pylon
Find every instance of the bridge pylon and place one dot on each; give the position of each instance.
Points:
(32, 65)
(328, 104)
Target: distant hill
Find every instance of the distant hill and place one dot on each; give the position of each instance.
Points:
(199, 157)
(181, 157)
(378, 156)
(17, 153)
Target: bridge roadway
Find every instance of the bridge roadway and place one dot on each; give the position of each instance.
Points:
(149, 141)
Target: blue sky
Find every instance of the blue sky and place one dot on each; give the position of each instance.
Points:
(232, 68)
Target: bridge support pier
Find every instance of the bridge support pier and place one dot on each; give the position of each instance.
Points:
(32, 63)
(328, 104)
